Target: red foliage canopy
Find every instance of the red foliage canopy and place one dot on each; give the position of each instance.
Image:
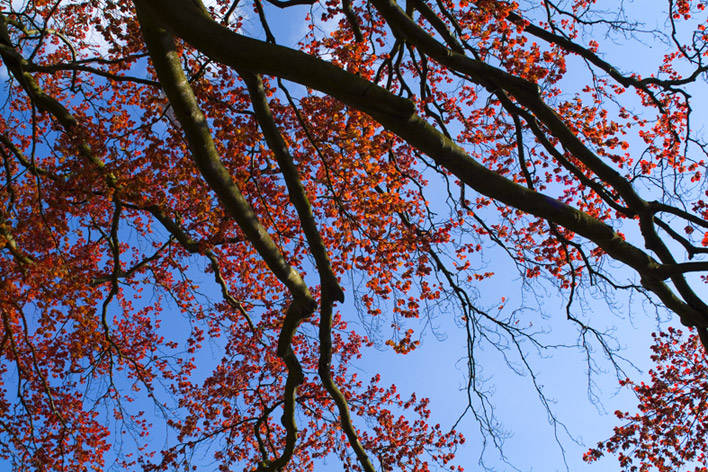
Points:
(178, 180)
(669, 431)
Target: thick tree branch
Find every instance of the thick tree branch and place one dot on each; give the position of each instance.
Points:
(397, 115)
(167, 64)
(330, 290)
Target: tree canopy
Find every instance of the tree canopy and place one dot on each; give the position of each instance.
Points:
(181, 178)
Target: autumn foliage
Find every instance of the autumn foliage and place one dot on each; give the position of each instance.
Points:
(188, 195)
(669, 431)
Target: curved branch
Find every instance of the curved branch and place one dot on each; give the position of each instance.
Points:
(331, 291)
(398, 115)
(167, 64)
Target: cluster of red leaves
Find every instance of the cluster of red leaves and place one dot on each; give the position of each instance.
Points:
(81, 380)
(228, 408)
(670, 431)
